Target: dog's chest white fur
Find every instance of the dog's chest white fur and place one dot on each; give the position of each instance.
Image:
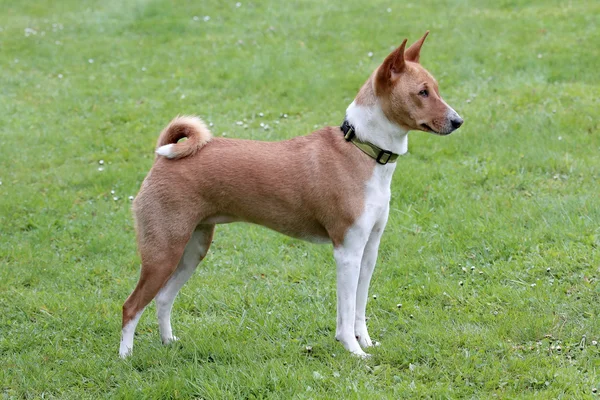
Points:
(377, 199)
(371, 125)
(377, 190)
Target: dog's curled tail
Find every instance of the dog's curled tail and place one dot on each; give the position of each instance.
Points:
(192, 128)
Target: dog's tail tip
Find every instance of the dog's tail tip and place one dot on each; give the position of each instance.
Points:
(189, 127)
(166, 151)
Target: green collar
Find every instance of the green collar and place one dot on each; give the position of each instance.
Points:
(381, 156)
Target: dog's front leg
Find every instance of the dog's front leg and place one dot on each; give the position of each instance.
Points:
(367, 266)
(348, 257)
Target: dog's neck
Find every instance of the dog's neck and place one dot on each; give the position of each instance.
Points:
(371, 124)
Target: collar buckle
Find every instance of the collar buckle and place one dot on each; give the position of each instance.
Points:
(348, 131)
(384, 157)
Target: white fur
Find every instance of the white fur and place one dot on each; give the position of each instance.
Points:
(356, 257)
(166, 150)
(126, 346)
(194, 251)
(451, 114)
(372, 125)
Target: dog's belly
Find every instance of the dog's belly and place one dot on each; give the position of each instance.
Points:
(220, 219)
(309, 231)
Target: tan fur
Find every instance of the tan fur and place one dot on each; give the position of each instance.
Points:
(413, 53)
(397, 83)
(279, 185)
(192, 128)
(366, 95)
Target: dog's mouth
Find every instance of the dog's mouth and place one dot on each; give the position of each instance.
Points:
(427, 128)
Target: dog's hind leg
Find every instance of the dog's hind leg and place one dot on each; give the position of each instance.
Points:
(160, 252)
(194, 252)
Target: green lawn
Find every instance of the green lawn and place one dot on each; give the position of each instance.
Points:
(493, 236)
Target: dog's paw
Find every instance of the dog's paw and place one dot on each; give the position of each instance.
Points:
(365, 341)
(363, 338)
(361, 354)
(170, 340)
(350, 343)
(125, 352)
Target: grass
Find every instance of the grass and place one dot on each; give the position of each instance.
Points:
(508, 206)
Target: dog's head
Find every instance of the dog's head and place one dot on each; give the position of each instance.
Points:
(409, 94)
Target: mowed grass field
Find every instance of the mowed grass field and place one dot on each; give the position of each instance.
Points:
(487, 282)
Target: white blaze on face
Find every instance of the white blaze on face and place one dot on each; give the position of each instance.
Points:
(452, 115)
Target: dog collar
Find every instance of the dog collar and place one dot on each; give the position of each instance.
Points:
(378, 154)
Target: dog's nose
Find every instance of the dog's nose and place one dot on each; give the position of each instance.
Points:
(456, 122)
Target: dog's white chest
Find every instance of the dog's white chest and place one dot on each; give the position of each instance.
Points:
(377, 190)
(376, 202)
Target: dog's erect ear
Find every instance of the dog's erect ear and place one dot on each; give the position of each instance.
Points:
(414, 51)
(392, 65)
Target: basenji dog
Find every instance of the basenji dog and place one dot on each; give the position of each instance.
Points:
(332, 186)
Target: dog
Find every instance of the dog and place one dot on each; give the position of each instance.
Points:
(331, 186)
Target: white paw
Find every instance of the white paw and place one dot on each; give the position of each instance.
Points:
(361, 354)
(363, 337)
(351, 344)
(125, 352)
(170, 340)
(364, 341)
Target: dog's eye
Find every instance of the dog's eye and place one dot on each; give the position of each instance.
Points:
(424, 93)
